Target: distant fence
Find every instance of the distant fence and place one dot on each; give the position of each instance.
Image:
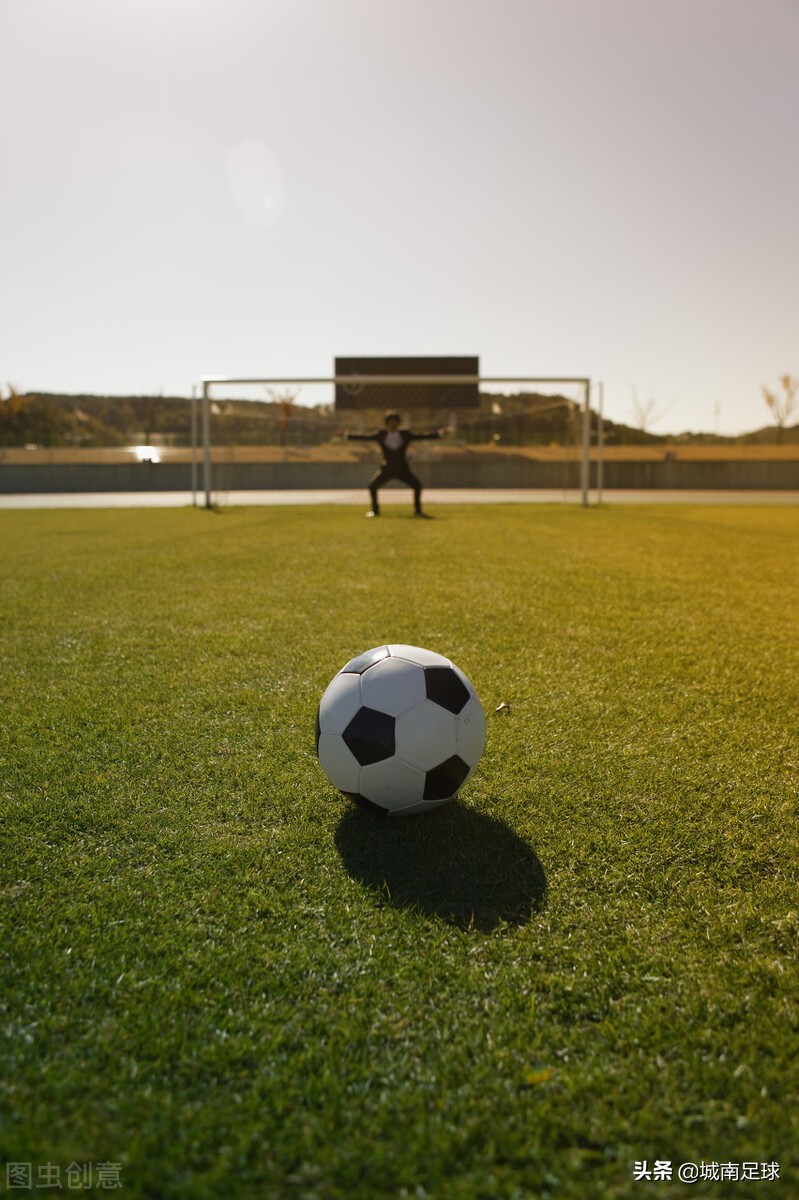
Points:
(449, 472)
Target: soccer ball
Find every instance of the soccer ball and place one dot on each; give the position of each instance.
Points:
(400, 730)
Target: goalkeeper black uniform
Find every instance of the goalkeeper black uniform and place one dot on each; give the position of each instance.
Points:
(394, 443)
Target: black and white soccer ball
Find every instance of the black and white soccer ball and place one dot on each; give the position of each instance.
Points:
(400, 730)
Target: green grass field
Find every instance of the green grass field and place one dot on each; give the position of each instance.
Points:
(225, 979)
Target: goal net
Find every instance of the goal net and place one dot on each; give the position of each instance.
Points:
(257, 433)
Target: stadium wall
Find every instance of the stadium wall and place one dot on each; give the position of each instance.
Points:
(452, 472)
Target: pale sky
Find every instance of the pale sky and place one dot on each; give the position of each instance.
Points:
(250, 187)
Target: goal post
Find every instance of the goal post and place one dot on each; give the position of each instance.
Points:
(351, 380)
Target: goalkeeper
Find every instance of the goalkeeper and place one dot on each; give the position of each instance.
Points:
(394, 443)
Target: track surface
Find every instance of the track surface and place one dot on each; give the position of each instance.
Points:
(359, 497)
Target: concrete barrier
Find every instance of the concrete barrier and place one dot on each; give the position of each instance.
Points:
(450, 472)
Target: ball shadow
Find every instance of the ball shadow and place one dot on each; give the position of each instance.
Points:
(463, 866)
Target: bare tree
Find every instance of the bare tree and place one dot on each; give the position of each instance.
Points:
(286, 403)
(782, 405)
(646, 412)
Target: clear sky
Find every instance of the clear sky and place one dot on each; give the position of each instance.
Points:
(585, 187)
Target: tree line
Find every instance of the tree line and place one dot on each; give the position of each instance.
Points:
(53, 419)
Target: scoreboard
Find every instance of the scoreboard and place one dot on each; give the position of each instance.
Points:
(360, 394)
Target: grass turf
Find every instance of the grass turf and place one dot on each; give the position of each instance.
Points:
(219, 975)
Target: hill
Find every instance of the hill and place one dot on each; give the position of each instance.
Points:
(48, 420)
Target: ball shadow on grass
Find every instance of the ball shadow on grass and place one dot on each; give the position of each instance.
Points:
(463, 866)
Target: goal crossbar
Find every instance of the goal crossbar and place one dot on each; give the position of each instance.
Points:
(353, 378)
(360, 380)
